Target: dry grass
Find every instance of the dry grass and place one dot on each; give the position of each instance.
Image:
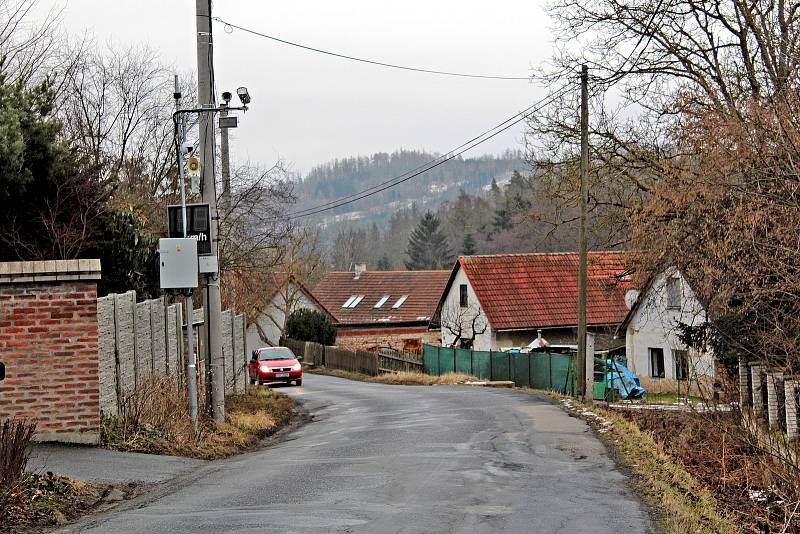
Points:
(756, 479)
(154, 419)
(16, 436)
(680, 501)
(404, 378)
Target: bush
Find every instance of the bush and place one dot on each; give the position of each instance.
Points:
(15, 445)
(310, 325)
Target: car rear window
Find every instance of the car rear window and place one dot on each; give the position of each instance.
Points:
(276, 354)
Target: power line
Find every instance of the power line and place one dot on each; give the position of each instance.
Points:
(362, 60)
(524, 112)
(618, 74)
(464, 147)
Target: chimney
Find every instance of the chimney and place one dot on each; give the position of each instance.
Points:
(359, 268)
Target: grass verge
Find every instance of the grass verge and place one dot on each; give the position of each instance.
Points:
(250, 417)
(681, 503)
(404, 378)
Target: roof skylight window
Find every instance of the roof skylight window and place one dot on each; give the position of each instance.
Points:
(353, 301)
(382, 301)
(400, 301)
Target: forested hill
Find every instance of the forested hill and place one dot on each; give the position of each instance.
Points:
(337, 179)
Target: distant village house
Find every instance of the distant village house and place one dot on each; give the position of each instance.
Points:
(375, 309)
(286, 295)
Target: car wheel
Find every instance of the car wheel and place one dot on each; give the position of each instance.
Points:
(298, 383)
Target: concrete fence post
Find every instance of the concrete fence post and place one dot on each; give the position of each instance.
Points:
(790, 389)
(755, 390)
(744, 385)
(135, 340)
(773, 382)
(117, 359)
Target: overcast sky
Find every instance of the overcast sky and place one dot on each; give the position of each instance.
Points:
(309, 108)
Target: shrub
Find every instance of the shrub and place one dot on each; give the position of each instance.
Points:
(310, 325)
(15, 445)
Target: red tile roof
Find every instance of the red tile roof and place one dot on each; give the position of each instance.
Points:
(424, 289)
(525, 291)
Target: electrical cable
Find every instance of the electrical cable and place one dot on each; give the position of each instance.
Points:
(525, 112)
(475, 141)
(617, 75)
(362, 60)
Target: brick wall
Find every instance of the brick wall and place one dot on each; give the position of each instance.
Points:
(49, 345)
(404, 339)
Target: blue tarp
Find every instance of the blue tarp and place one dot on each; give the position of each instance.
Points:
(623, 379)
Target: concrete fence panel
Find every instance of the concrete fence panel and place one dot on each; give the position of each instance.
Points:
(139, 340)
(158, 337)
(125, 341)
(107, 363)
(240, 353)
(226, 329)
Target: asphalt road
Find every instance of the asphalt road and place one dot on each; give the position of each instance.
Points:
(382, 458)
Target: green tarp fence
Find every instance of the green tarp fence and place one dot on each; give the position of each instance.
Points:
(538, 370)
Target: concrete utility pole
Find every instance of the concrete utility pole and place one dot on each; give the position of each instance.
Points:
(583, 359)
(225, 164)
(213, 304)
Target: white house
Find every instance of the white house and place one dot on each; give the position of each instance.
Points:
(652, 345)
(288, 295)
(502, 300)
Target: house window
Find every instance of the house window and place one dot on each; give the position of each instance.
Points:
(400, 301)
(656, 362)
(353, 301)
(674, 293)
(462, 295)
(681, 364)
(382, 301)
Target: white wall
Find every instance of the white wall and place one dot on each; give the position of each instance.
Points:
(272, 320)
(654, 325)
(452, 306)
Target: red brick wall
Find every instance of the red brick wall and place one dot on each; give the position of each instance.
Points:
(409, 339)
(48, 343)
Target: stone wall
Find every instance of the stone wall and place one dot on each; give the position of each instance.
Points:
(49, 345)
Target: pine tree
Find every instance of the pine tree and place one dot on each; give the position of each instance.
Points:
(384, 264)
(427, 245)
(497, 193)
(468, 245)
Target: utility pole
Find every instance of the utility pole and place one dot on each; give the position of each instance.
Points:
(225, 164)
(213, 304)
(583, 360)
(191, 360)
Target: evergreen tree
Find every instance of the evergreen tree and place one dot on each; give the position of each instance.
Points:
(495, 189)
(468, 245)
(384, 264)
(427, 246)
(310, 325)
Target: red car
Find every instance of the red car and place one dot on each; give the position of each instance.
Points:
(275, 364)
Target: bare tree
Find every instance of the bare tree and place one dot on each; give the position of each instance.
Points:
(117, 109)
(464, 324)
(349, 247)
(655, 57)
(269, 293)
(33, 50)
